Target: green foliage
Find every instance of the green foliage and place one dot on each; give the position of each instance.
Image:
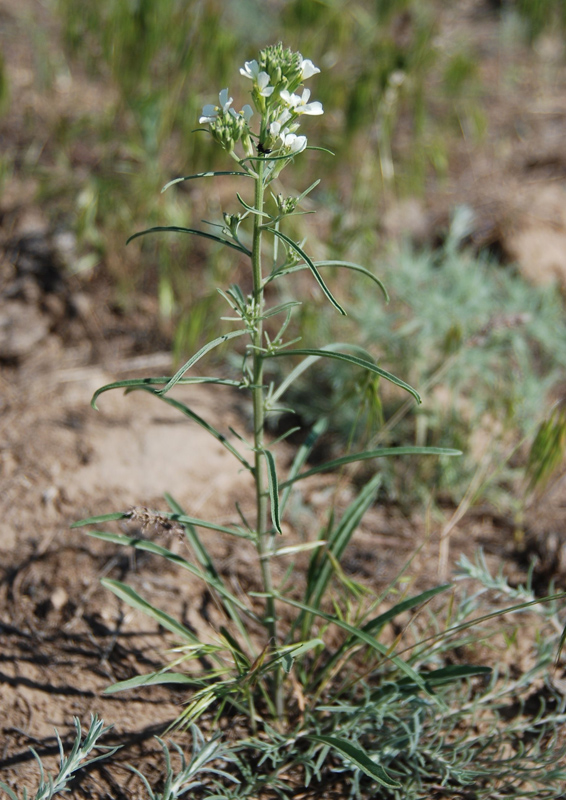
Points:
(486, 375)
(327, 695)
(77, 759)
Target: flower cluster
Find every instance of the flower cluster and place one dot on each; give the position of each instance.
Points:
(226, 125)
(276, 77)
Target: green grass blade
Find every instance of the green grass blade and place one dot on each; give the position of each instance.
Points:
(187, 412)
(369, 454)
(141, 383)
(301, 456)
(151, 547)
(273, 490)
(311, 266)
(433, 680)
(206, 562)
(203, 557)
(151, 679)
(375, 625)
(101, 518)
(332, 263)
(358, 633)
(197, 356)
(378, 622)
(321, 568)
(194, 232)
(358, 362)
(204, 175)
(9, 792)
(133, 599)
(358, 758)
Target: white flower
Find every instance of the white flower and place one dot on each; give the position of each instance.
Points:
(247, 113)
(250, 70)
(293, 143)
(277, 126)
(261, 79)
(300, 104)
(261, 82)
(308, 69)
(210, 112)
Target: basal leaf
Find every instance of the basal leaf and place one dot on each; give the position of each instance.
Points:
(359, 758)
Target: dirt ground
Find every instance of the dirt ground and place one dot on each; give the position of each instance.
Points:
(63, 637)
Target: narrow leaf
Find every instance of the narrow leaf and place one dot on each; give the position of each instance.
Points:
(194, 231)
(9, 792)
(184, 409)
(359, 634)
(197, 356)
(378, 622)
(302, 454)
(156, 549)
(102, 518)
(308, 362)
(273, 490)
(132, 598)
(321, 569)
(332, 263)
(151, 679)
(140, 383)
(311, 266)
(203, 175)
(290, 550)
(359, 758)
(205, 560)
(359, 362)
(369, 454)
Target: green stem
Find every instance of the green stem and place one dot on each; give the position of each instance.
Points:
(263, 532)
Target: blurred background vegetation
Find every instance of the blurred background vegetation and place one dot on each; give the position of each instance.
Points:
(412, 93)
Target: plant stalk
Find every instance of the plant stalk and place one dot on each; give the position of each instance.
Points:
(263, 532)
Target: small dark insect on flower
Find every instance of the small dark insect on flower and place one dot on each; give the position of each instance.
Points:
(265, 151)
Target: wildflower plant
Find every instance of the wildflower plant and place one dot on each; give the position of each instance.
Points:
(286, 677)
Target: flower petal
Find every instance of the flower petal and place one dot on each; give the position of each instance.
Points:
(308, 69)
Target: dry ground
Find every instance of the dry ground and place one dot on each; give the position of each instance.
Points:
(63, 638)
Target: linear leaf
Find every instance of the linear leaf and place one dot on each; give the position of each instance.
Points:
(311, 265)
(369, 454)
(197, 356)
(203, 175)
(308, 362)
(359, 634)
(434, 679)
(101, 518)
(151, 547)
(302, 454)
(151, 679)
(321, 568)
(359, 758)
(132, 598)
(184, 409)
(359, 362)
(140, 383)
(378, 622)
(273, 490)
(206, 562)
(9, 792)
(332, 263)
(194, 232)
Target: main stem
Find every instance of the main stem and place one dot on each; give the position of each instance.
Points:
(263, 532)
